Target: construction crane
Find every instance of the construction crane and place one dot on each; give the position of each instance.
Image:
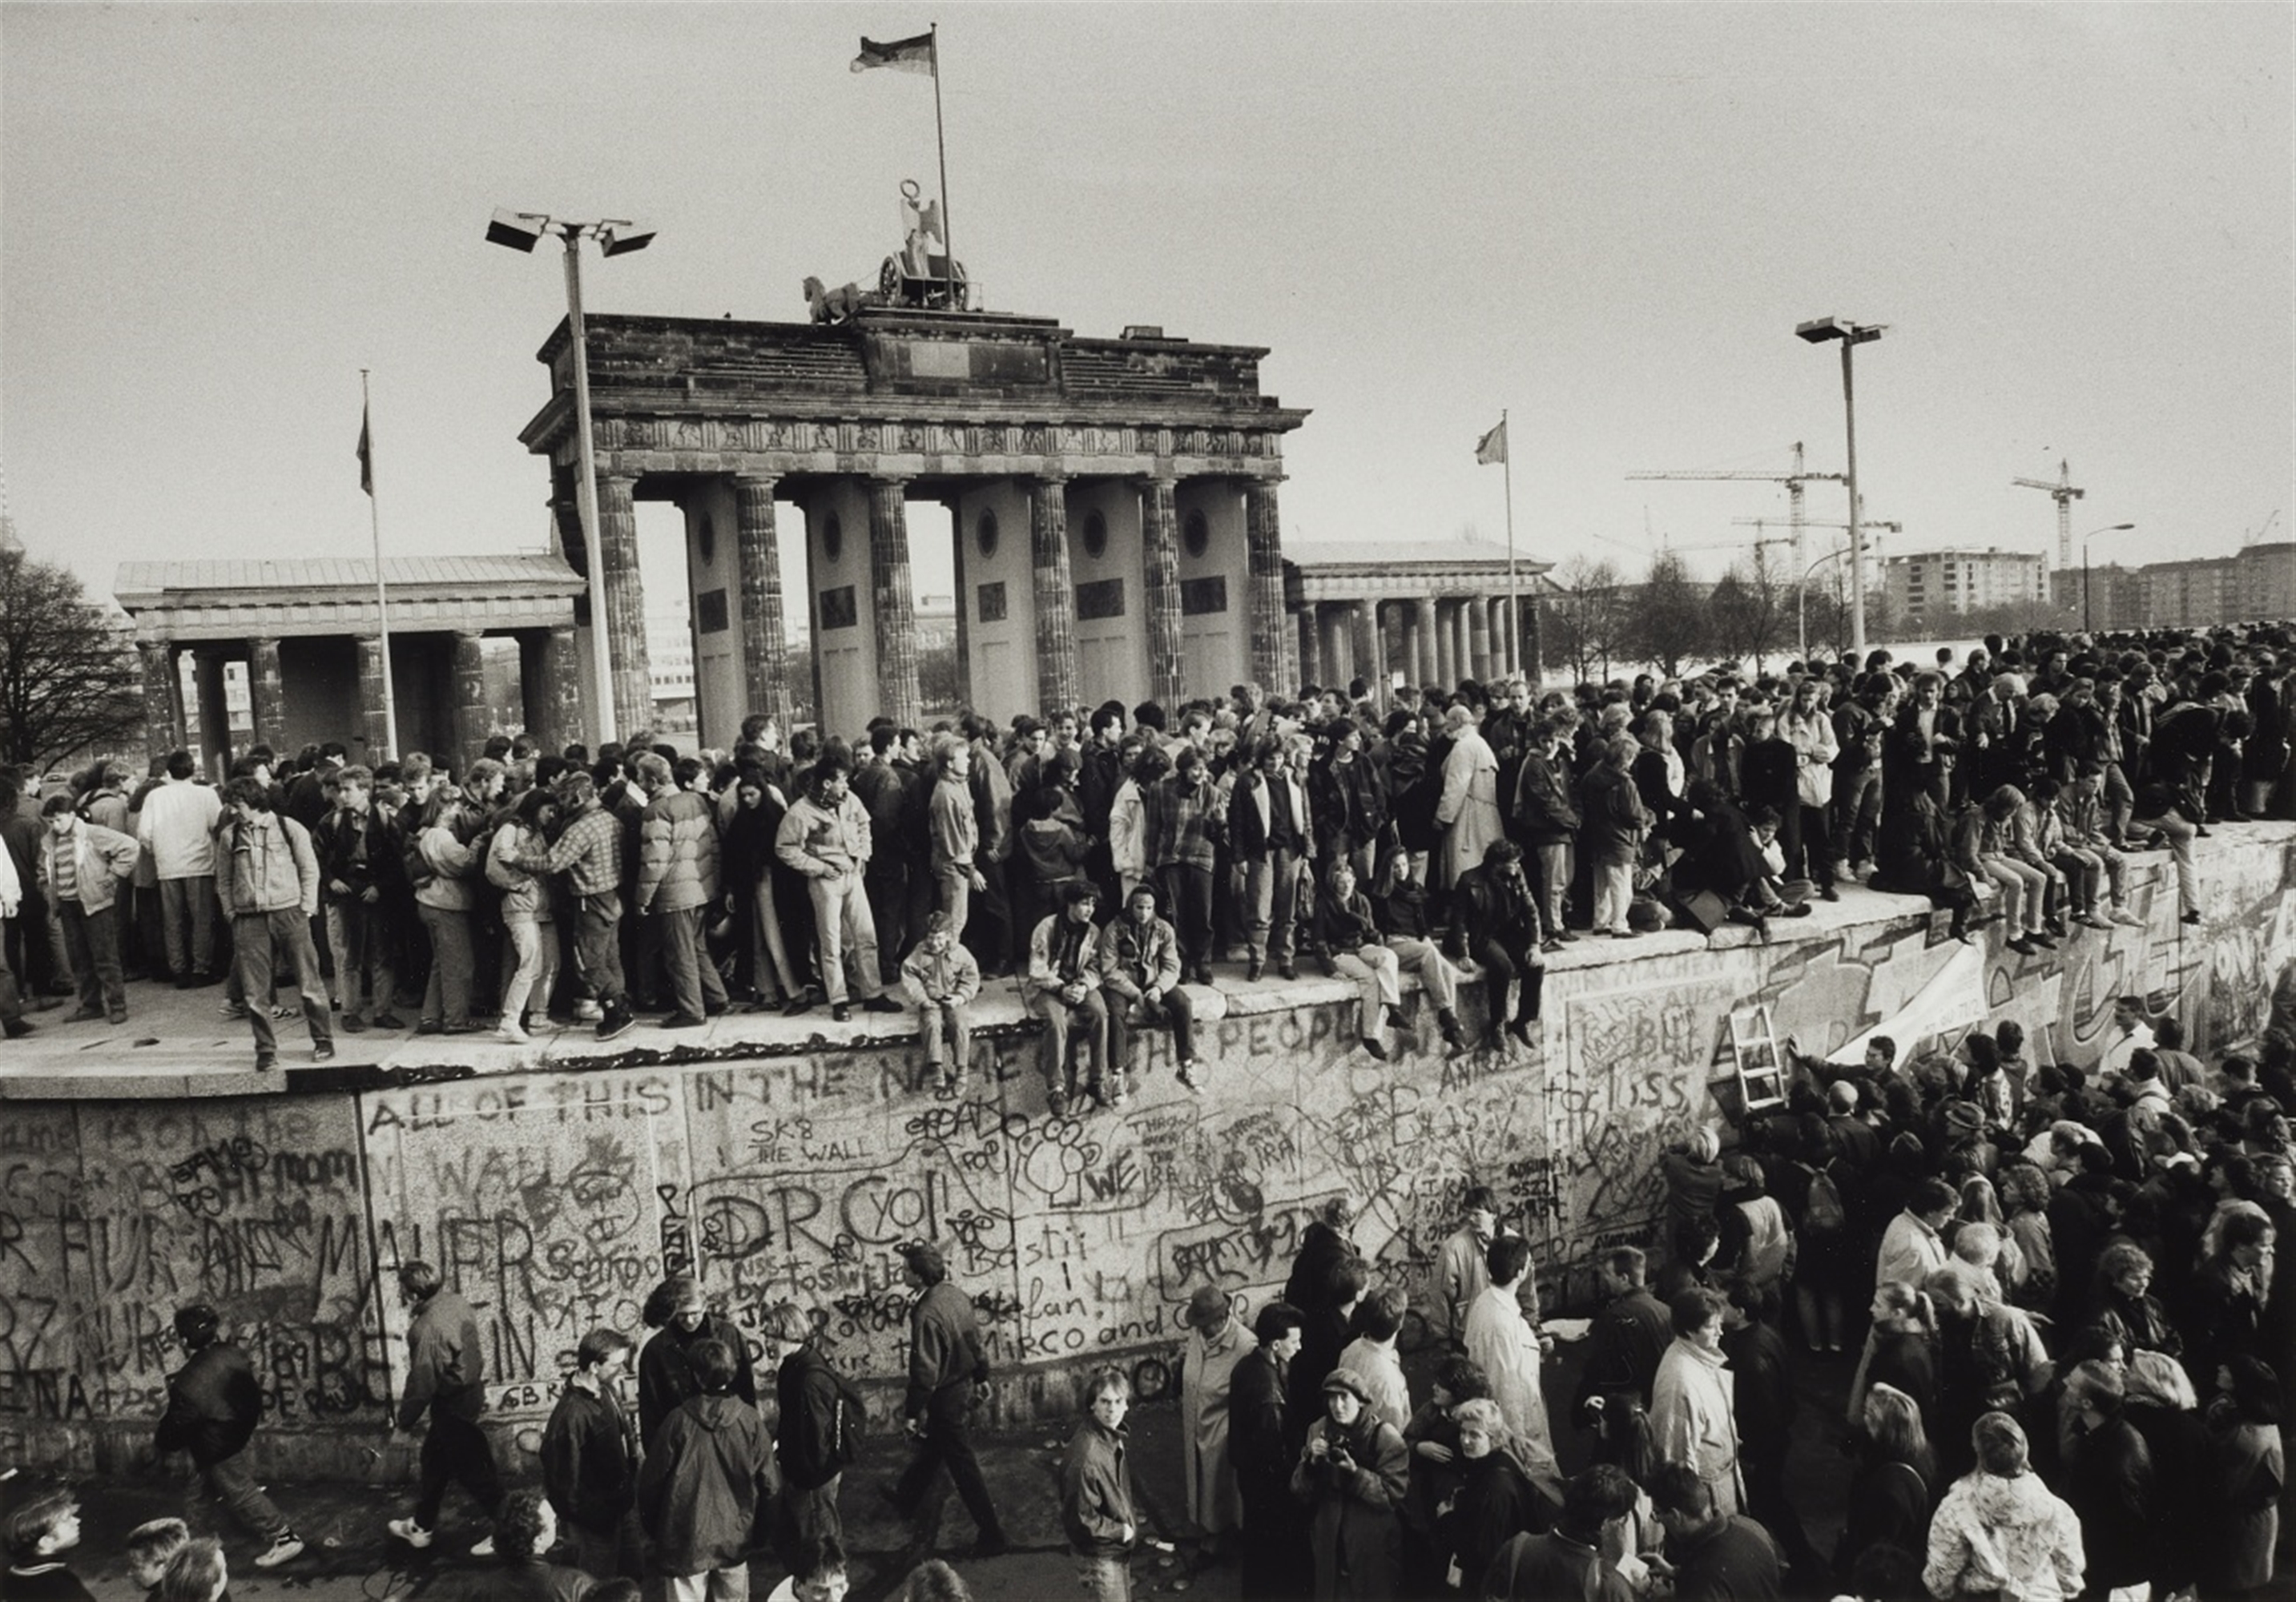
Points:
(2063, 493)
(1793, 481)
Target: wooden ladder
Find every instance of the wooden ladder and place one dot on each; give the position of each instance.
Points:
(1754, 1047)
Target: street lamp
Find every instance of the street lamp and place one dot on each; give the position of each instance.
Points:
(1817, 332)
(2109, 528)
(1801, 600)
(521, 231)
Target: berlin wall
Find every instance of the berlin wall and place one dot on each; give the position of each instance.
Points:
(555, 1201)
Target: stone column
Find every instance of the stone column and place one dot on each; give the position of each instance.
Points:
(163, 718)
(765, 629)
(1479, 639)
(1534, 642)
(1336, 640)
(892, 603)
(1371, 655)
(1271, 661)
(1055, 591)
(1307, 627)
(1446, 642)
(1424, 668)
(472, 716)
(625, 640)
(215, 711)
(373, 716)
(549, 680)
(962, 585)
(266, 691)
(1159, 550)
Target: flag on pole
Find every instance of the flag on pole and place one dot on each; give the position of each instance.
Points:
(365, 454)
(902, 56)
(1492, 447)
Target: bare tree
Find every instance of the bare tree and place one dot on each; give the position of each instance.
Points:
(68, 680)
(1668, 622)
(1584, 617)
(1748, 608)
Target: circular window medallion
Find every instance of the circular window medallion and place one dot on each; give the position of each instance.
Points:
(984, 534)
(833, 537)
(1196, 534)
(705, 540)
(1096, 535)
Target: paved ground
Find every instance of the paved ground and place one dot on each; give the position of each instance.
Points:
(351, 1558)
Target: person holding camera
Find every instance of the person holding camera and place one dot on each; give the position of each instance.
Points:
(1352, 1476)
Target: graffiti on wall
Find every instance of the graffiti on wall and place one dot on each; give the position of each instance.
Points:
(555, 1202)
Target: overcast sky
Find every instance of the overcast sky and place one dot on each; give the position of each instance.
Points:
(2075, 220)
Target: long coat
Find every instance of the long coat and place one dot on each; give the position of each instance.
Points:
(1693, 1420)
(1206, 1371)
(1469, 809)
(1353, 1532)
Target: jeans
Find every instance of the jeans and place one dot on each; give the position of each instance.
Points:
(1374, 970)
(533, 967)
(695, 984)
(847, 932)
(1271, 891)
(1060, 1017)
(1503, 962)
(2180, 843)
(953, 887)
(447, 997)
(231, 1483)
(1856, 813)
(1173, 1007)
(948, 1443)
(598, 948)
(886, 882)
(1437, 976)
(716, 1585)
(1188, 903)
(942, 1024)
(1556, 863)
(92, 948)
(256, 939)
(1614, 892)
(364, 974)
(187, 909)
(455, 1452)
(802, 1515)
(2023, 888)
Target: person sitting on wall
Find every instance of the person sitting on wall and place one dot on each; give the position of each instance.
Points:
(1140, 981)
(940, 978)
(1062, 987)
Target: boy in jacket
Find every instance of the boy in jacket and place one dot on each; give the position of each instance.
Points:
(940, 978)
(589, 1458)
(267, 879)
(704, 1479)
(446, 1377)
(948, 1374)
(359, 853)
(1140, 984)
(819, 1422)
(677, 882)
(1096, 1511)
(214, 1401)
(82, 866)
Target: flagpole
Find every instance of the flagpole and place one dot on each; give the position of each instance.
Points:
(381, 596)
(940, 139)
(1514, 594)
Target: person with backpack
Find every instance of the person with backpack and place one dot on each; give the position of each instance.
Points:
(1826, 1255)
(822, 1421)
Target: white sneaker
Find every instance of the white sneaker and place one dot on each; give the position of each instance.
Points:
(289, 1545)
(485, 1549)
(2123, 915)
(414, 1534)
(587, 1012)
(513, 1034)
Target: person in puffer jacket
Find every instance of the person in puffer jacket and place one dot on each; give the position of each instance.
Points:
(677, 881)
(530, 931)
(2000, 1532)
(267, 879)
(940, 978)
(706, 1474)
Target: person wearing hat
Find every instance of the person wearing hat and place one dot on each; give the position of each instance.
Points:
(1353, 1475)
(1216, 1343)
(1061, 986)
(214, 1403)
(1140, 984)
(948, 1377)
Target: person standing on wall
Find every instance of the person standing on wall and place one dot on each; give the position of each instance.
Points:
(445, 1377)
(176, 825)
(267, 879)
(82, 866)
(214, 1403)
(949, 1375)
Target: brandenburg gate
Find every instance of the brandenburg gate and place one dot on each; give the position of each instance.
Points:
(1113, 503)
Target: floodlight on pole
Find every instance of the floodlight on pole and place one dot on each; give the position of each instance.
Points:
(521, 231)
(2109, 528)
(1817, 332)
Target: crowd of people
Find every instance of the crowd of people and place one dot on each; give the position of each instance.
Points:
(2057, 1281)
(1105, 859)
